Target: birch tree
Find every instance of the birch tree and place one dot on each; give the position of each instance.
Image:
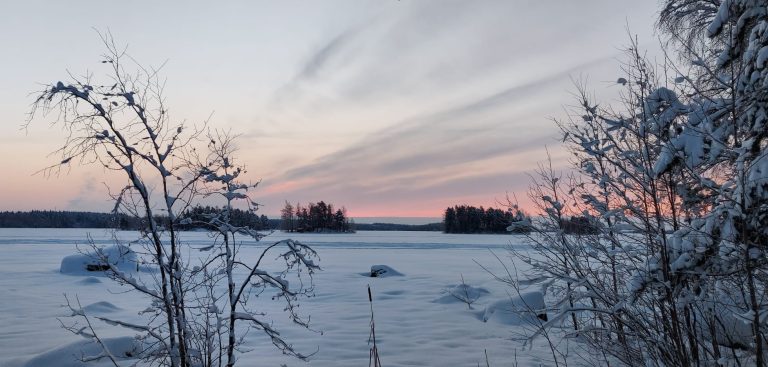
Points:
(121, 122)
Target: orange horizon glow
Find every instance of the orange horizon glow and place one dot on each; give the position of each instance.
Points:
(339, 109)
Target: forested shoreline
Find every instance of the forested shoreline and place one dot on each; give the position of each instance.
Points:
(76, 219)
(66, 219)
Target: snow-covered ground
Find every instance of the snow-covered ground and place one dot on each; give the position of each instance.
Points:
(416, 325)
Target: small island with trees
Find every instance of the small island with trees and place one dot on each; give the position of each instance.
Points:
(471, 219)
(320, 218)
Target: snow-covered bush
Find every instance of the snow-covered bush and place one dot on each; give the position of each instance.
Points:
(462, 292)
(675, 178)
(195, 302)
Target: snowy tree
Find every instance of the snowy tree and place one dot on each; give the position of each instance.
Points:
(287, 218)
(196, 302)
(675, 177)
(724, 140)
(620, 277)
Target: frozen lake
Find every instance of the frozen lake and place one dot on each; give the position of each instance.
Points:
(416, 326)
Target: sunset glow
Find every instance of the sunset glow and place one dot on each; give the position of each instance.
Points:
(389, 108)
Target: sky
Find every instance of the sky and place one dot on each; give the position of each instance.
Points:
(389, 108)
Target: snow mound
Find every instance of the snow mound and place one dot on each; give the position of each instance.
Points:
(382, 271)
(71, 355)
(86, 263)
(89, 280)
(516, 310)
(101, 307)
(463, 293)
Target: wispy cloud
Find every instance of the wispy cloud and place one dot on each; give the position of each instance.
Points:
(477, 131)
(320, 58)
(395, 106)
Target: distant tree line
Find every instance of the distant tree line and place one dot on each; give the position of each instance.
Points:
(72, 219)
(67, 219)
(198, 215)
(580, 225)
(470, 219)
(320, 217)
(201, 215)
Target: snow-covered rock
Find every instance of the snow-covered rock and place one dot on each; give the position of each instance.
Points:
(516, 310)
(86, 263)
(381, 271)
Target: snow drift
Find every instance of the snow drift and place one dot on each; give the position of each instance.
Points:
(73, 354)
(516, 310)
